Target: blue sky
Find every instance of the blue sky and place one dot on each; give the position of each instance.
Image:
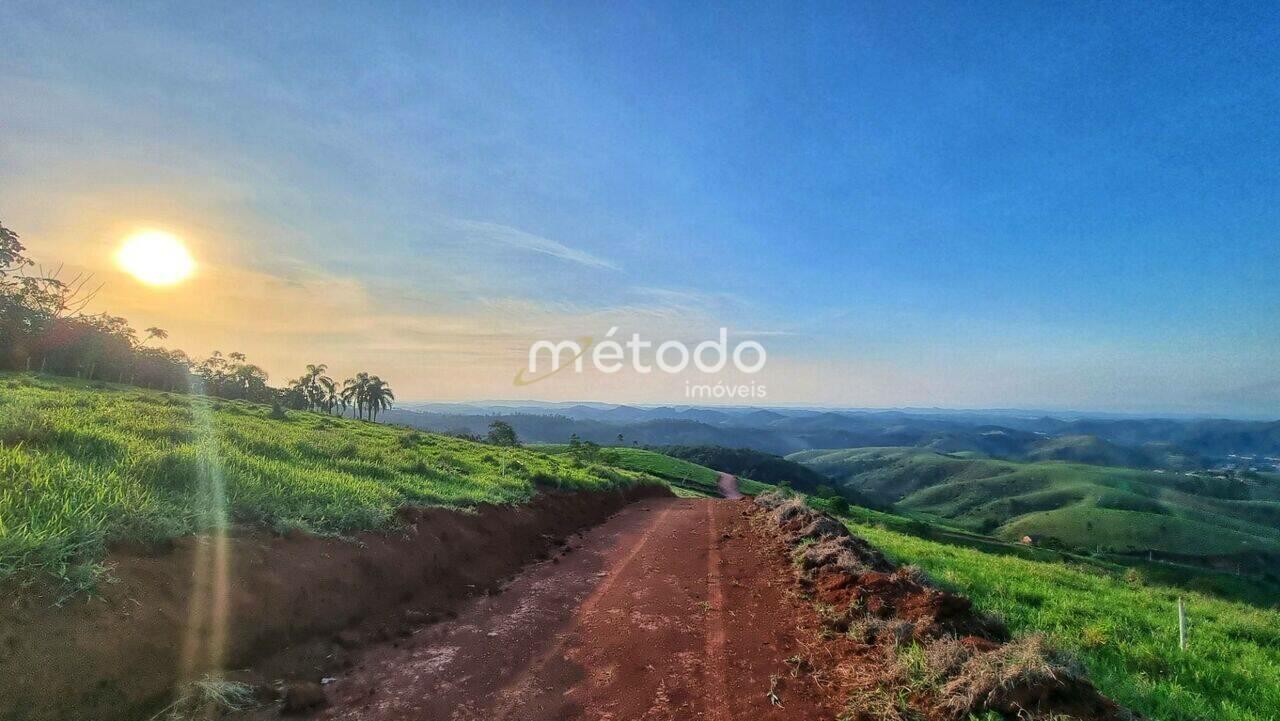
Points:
(1058, 206)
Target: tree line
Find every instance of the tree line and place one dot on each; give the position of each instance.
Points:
(365, 394)
(43, 328)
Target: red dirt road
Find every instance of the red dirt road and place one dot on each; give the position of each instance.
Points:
(729, 486)
(673, 609)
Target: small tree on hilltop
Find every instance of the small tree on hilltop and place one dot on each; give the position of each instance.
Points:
(583, 451)
(502, 434)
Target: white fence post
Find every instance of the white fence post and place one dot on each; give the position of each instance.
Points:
(1182, 625)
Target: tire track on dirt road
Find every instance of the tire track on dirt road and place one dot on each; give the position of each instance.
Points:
(518, 690)
(715, 664)
(672, 610)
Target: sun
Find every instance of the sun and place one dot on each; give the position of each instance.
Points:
(155, 258)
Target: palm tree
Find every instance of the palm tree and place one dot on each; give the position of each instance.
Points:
(317, 382)
(378, 396)
(328, 393)
(354, 392)
(368, 394)
(315, 388)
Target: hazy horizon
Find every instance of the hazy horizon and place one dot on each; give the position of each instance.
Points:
(1153, 414)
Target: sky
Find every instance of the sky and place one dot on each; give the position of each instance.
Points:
(978, 205)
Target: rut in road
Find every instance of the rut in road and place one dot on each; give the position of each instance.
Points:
(672, 609)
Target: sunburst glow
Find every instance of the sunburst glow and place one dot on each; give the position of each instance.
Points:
(156, 258)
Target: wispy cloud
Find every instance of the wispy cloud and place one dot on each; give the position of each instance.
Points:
(515, 238)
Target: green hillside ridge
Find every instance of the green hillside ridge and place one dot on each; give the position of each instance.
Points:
(746, 462)
(681, 474)
(83, 465)
(1121, 626)
(1087, 449)
(1083, 506)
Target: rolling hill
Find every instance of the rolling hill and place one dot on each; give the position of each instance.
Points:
(1182, 444)
(750, 463)
(84, 465)
(1211, 519)
(1089, 449)
(680, 474)
(763, 467)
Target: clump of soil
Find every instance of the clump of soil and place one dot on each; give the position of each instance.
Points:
(903, 648)
(1020, 676)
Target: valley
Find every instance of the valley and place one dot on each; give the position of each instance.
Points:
(1224, 520)
(136, 517)
(1137, 442)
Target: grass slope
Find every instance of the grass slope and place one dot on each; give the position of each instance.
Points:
(84, 465)
(1122, 628)
(1088, 449)
(1084, 506)
(681, 474)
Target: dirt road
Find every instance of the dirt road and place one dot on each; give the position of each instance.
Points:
(729, 486)
(673, 609)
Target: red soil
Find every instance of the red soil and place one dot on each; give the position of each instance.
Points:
(120, 655)
(859, 590)
(673, 609)
(896, 595)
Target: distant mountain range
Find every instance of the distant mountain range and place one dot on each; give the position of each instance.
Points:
(592, 409)
(1173, 443)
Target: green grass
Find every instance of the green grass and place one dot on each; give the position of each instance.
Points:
(683, 476)
(84, 465)
(1124, 629)
(1089, 507)
(1251, 588)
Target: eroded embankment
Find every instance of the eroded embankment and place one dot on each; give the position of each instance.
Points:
(896, 647)
(122, 653)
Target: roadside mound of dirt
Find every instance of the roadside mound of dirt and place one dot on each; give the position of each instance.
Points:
(961, 662)
(293, 607)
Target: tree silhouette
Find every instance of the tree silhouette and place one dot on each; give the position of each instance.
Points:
(154, 332)
(328, 393)
(43, 328)
(378, 396)
(353, 392)
(12, 259)
(315, 390)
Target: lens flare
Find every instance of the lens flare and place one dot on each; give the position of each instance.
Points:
(204, 647)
